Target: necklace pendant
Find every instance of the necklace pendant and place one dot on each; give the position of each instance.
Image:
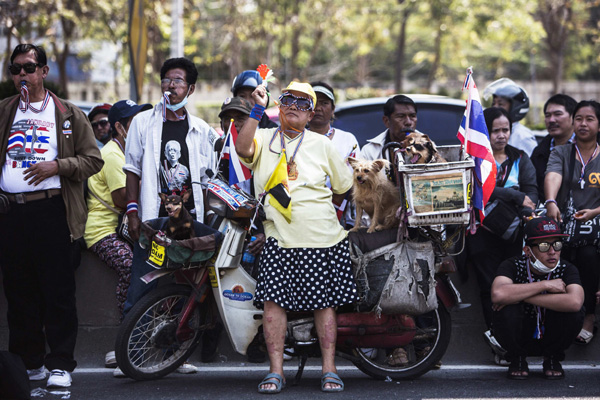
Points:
(292, 171)
(582, 184)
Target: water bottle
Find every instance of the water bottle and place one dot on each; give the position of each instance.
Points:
(248, 258)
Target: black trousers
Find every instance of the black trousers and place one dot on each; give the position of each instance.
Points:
(38, 261)
(514, 330)
(485, 252)
(587, 261)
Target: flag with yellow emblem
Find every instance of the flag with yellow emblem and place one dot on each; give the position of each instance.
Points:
(277, 187)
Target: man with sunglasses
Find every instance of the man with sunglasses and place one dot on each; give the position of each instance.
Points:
(98, 117)
(537, 300)
(47, 150)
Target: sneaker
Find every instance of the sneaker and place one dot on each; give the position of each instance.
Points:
(187, 368)
(493, 343)
(117, 373)
(59, 378)
(501, 361)
(288, 353)
(110, 360)
(38, 374)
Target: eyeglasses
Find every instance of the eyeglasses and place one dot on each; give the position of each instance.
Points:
(101, 122)
(29, 68)
(545, 246)
(303, 104)
(177, 82)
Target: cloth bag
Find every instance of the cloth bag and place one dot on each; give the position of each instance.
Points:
(398, 278)
(502, 219)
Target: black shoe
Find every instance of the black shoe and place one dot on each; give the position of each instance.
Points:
(210, 344)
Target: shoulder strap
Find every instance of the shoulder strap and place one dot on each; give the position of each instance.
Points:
(105, 204)
(571, 164)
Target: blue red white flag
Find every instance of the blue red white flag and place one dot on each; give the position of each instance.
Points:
(473, 134)
(237, 172)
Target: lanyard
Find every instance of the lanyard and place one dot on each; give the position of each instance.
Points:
(541, 312)
(120, 146)
(164, 110)
(278, 131)
(581, 181)
(24, 103)
(330, 132)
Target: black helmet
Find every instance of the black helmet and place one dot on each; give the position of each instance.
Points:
(519, 101)
(247, 78)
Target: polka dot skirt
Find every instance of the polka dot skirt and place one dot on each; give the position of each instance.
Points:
(305, 279)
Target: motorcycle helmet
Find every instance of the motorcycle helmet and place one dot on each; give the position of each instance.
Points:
(249, 78)
(519, 101)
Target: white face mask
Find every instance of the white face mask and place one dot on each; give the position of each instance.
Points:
(540, 267)
(175, 107)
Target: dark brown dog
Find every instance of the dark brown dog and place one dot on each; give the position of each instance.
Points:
(181, 224)
(418, 148)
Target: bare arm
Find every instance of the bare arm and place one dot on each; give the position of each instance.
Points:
(244, 145)
(571, 301)
(119, 198)
(132, 192)
(552, 183)
(505, 291)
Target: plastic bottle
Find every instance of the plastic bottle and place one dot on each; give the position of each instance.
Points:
(248, 258)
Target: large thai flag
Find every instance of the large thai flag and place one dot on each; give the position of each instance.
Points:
(474, 135)
(237, 172)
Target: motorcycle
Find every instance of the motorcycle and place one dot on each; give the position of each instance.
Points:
(164, 328)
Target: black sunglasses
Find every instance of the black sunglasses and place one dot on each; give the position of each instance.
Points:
(29, 68)
(545, 246)
(103, 122)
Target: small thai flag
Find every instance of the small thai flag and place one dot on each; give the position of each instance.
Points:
(237, 172)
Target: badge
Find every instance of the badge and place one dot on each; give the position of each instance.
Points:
(227, 101)
(66, 124)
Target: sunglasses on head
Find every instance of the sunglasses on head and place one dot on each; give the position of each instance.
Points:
(545, 246)
(102, 123)
(288, 100)
(29, 67)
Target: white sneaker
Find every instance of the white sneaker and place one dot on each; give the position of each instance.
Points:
(110, 360)
(59, 378)
(117, 373)
(38, 374)
(187, 368)
(288, 353)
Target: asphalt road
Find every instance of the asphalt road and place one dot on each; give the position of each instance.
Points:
(239, 381)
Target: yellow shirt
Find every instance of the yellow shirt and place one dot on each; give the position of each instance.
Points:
(101, 221)
(314, 221)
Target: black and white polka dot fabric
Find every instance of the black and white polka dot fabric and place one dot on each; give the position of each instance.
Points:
(305, 279)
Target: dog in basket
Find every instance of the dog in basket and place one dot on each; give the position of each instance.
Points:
(374, 194)
(418, 148)
(180, 225)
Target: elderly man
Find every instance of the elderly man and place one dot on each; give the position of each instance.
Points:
(400, 118)
(558, 117)
(153, 133)
(47, 150)
(98, 117)
(537, 300)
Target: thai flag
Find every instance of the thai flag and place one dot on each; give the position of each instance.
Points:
(237, 172)
(474, 135)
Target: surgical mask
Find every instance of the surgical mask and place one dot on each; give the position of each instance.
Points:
(540, 267)
(175, 107)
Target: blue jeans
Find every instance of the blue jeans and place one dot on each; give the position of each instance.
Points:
(137, 288)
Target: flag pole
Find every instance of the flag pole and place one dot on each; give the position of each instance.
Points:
(225, 142)
(466, 85)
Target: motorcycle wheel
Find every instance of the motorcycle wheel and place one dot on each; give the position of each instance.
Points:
(146, 346)
(421, 355)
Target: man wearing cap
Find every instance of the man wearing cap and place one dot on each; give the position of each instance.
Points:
(345, 142)
(537, 300)
(98, 117)
(400, 118)
(243, 85)
(47, 150)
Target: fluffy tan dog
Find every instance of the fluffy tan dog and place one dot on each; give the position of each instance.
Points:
(374, 194)
(418, 148)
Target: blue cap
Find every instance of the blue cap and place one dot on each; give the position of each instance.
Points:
(125, 109)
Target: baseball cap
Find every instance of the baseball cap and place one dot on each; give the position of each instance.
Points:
(237, 104)
(302, 87)
(541, 228)
(124, 109)
(99, 109)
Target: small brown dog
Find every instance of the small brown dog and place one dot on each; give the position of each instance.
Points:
(418, 148)
(374, 194)
(181, 224)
